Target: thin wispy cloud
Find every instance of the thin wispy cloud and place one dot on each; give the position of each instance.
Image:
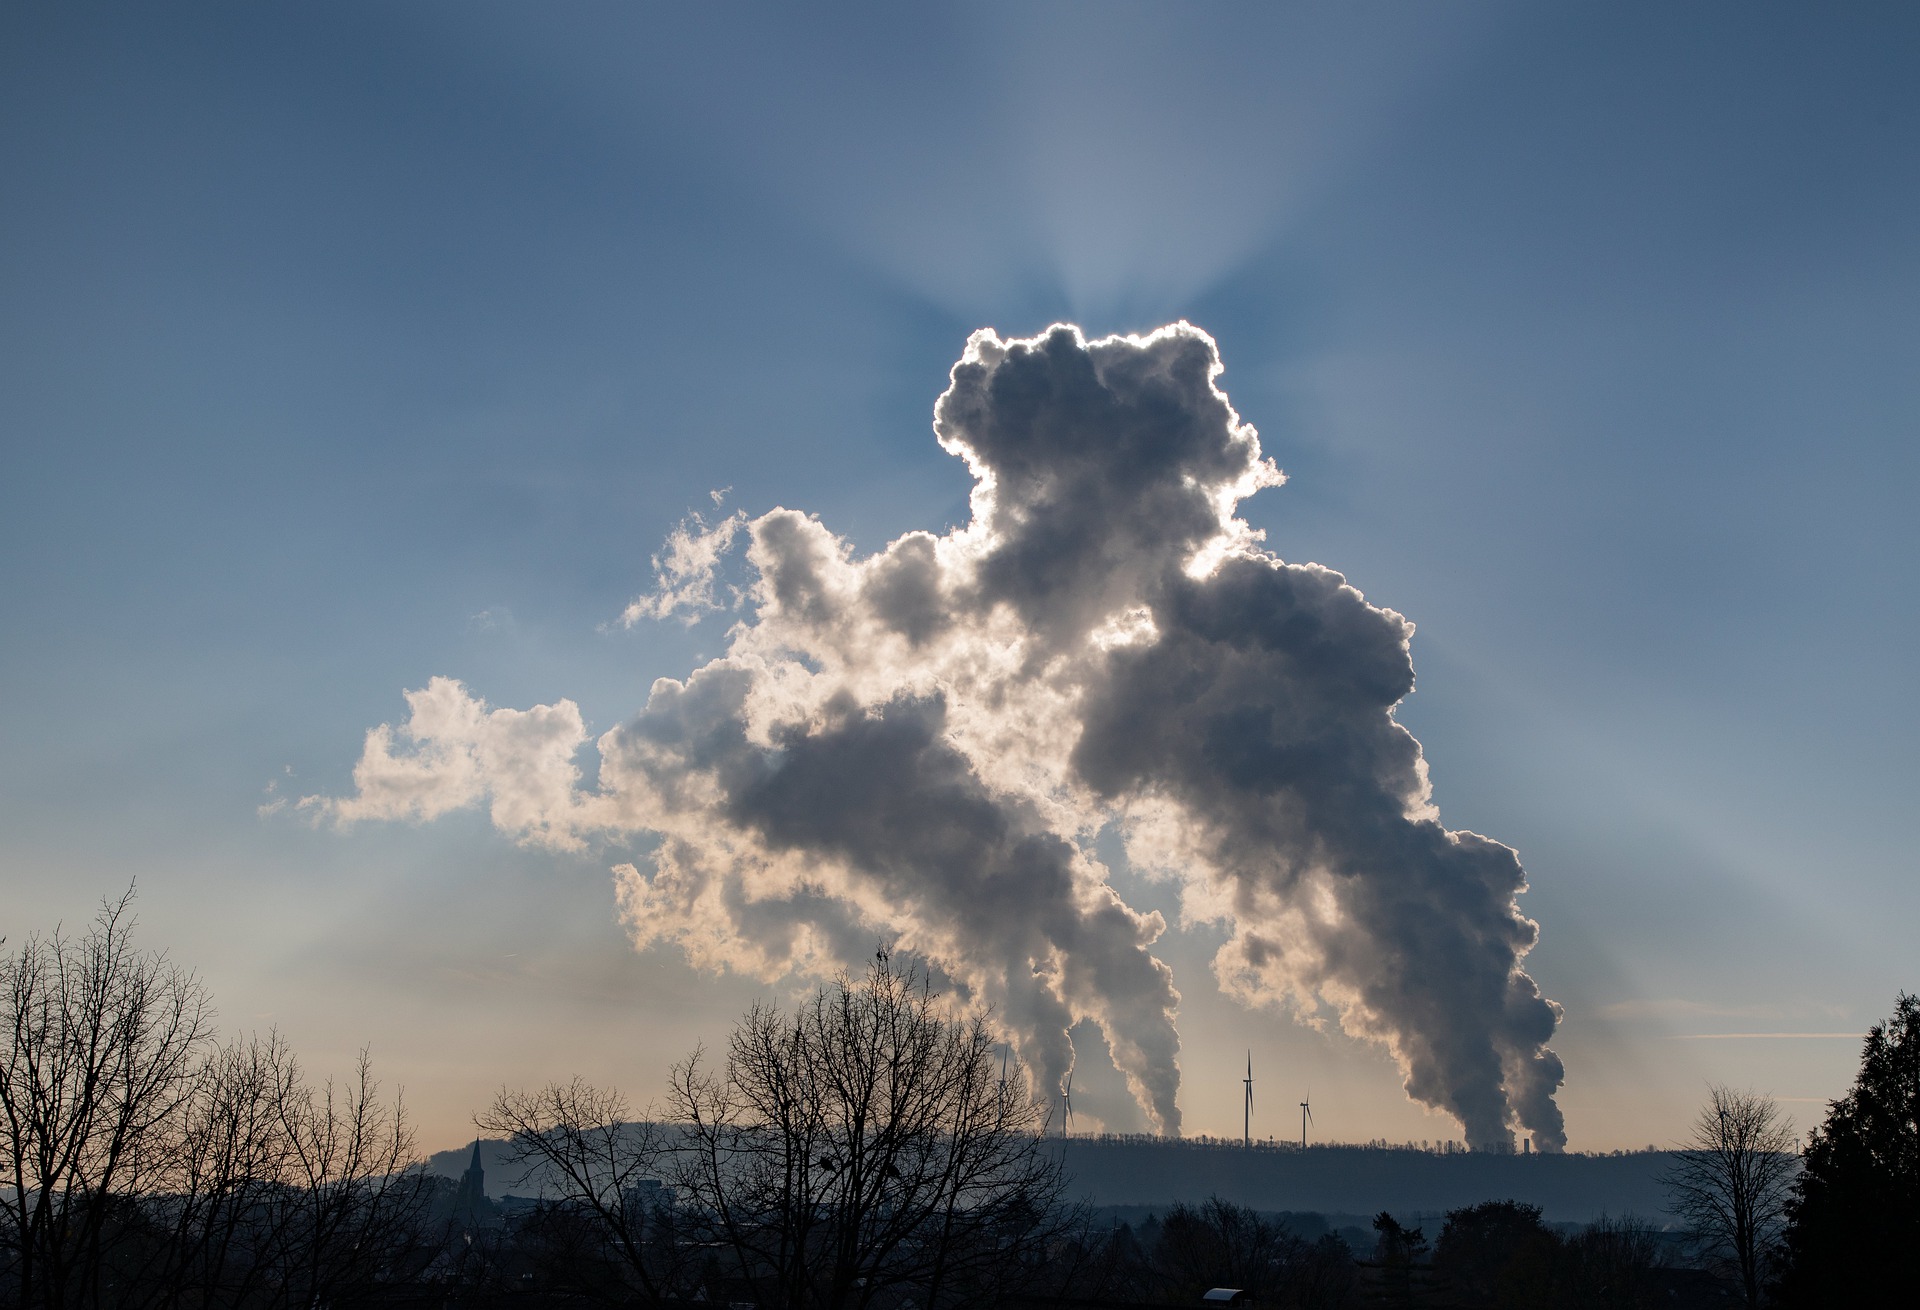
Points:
(1735, 1037)
(494, 619)
(1675, 1008)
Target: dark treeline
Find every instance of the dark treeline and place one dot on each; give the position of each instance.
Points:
(862, 1151)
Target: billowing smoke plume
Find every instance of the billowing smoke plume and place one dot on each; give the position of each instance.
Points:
(921, 744)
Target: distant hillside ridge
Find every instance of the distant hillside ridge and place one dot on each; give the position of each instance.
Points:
(1155, 1172)
(1569, 1188)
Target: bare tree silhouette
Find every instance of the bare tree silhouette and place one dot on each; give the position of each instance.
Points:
(1731, 1181)
(864, 1147)
(142, 1164)
(580, 1145)
(99, 1053)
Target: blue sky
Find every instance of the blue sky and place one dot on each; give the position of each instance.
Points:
(348, 346)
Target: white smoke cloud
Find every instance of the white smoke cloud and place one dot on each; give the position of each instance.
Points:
(922, 743)
(463, 753)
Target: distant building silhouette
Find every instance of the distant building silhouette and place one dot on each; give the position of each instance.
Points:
(647, 1195)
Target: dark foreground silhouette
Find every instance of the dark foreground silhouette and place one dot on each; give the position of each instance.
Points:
(863, 1151)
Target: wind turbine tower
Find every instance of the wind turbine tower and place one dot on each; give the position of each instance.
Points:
(1306, 1117)
(1066, 1099)
(1246, 1117)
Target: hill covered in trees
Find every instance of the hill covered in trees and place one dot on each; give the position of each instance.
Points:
(1331, 1179)
(1364, 1179)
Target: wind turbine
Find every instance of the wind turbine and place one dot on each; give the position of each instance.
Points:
(1246, 1118)
(1306, 1117)
(1066, 1096)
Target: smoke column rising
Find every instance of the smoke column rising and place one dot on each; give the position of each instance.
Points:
(923, 742)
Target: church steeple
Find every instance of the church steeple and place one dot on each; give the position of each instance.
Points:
(470, 1199)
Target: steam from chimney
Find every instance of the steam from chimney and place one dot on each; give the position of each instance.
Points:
(922, 743)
